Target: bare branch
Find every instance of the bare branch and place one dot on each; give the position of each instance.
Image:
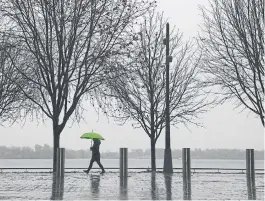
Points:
(232, 42)
(12, 101)
(63, 47)
(139, 94)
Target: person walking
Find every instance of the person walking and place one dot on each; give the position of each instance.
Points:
(95, 156)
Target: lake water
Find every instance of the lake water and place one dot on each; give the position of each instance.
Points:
(132, 163)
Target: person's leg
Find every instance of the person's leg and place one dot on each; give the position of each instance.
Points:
(90, 165)
(100, 165)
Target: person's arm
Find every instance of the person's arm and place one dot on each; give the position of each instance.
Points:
(93, 147)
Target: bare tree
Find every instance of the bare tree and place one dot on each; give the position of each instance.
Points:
(139, 94)
(63, 46)
(232, 41)
(12, 101)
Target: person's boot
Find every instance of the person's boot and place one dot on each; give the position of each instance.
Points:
(86, 171)
(103, 171)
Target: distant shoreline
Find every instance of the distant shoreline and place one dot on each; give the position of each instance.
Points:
(46, 152)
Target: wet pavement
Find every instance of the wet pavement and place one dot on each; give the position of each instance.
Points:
(140, 186)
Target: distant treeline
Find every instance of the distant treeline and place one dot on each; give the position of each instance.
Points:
(45, 152)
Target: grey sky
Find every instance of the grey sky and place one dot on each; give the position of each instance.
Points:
(224, 126)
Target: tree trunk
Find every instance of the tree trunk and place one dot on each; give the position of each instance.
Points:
(153, 154)
(56, 144)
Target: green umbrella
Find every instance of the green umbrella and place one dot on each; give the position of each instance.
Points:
(92, 135)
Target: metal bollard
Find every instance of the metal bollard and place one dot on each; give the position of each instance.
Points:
(60, 171)
(123, 166)
(186, 172)
(250, 172)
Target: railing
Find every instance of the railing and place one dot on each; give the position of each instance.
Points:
(193, 170)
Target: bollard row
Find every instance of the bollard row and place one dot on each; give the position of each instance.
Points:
(186, 171)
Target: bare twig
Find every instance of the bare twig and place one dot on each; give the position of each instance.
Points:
(139, 94)
(232, 41)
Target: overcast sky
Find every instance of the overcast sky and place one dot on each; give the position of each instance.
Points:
(224, 126)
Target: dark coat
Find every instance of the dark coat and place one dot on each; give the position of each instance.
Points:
(95, 147)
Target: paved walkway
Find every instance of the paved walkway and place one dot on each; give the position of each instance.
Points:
(141, 186)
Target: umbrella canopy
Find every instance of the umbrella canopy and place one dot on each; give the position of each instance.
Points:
(92, 135)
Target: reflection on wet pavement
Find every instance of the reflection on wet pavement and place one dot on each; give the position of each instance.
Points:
(154, 190)
(140, 186)
(168, 183)
(123, 189)
(57, 189)
(95, 183)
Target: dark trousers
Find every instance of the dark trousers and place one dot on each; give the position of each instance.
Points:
(95, 157)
